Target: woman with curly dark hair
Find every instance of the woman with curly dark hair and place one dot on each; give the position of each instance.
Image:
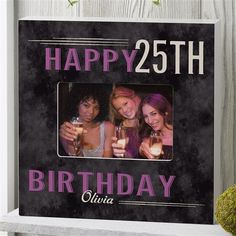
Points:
(91, 111)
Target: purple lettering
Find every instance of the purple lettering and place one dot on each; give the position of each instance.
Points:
(49, 59)
(108, 57)
(35, 181)
(51, 181)
(129, 59)
(101, 183)
(64, 180)
(85, 177)
(120, 184)
(72, 60)
(91, 55)
(145, 185)
(167, 184)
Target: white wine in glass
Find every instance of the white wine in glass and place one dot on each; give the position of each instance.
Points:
(78, 124)
(155, 144)
(122, 138)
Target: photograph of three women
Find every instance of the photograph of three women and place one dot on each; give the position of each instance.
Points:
(124, 121)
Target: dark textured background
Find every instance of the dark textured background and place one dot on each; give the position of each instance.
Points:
(193, 103)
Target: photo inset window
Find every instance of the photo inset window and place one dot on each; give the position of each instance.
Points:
(115, 121)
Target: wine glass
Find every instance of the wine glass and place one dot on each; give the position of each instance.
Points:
(122, 138)
(77, 142)
(155, 144)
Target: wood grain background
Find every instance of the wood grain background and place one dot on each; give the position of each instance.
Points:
(225, 10)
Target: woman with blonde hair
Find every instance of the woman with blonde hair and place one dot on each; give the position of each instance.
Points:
(124, 112)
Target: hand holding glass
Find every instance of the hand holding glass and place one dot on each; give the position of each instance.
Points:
(77, 123)
(155, 144)
(122, 139)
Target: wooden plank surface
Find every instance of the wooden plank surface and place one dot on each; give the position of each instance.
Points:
(50, 8)
(141, 8)
(226, 12)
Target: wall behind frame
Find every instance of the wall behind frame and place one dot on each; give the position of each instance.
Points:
(225, 10)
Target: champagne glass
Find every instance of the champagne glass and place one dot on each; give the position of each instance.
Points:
(77, 142)
(155, 144)
(122, 138)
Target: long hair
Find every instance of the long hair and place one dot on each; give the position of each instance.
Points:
(118, 92)
(162, 105)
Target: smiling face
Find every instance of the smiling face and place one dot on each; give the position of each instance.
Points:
(153, 118)
(126, 107)
(88, 110)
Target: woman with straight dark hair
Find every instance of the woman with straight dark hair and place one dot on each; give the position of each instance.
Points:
(156, 124)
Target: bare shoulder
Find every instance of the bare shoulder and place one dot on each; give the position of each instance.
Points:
(109, 127)
(108, 124)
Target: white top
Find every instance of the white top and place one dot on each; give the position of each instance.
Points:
(98, 151)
